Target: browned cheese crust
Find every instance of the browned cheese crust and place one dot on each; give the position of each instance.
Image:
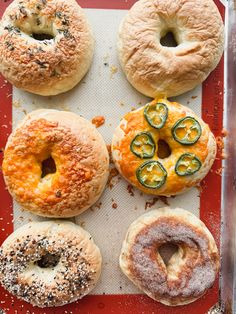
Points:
(45, 67)
(157, 70)
(78, 151)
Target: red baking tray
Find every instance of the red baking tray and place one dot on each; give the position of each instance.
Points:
(210, 199)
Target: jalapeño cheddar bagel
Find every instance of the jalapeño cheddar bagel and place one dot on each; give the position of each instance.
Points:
(163, 148)
(55, 163)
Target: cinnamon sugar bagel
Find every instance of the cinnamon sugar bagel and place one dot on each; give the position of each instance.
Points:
(157, 70)
(46, 47)
(55, 163)
(190, 271)
(163, 148)
(49, 263)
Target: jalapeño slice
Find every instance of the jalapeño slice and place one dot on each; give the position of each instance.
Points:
(143, 145)
(187, 164)
(187, 131)
(156, 115)
(151, 174)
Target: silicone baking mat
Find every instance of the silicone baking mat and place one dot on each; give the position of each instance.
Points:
(104, 91)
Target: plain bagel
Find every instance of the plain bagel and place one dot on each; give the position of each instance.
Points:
(56, 163)
(157, 70)
(46, 47)
(49, 263)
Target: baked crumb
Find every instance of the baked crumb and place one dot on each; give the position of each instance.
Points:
(82, 224)
(224, 132)
(113, 173)
(164, 199)
(224, 155)
(219, 142)
(153, 201)
(130, 189)
(114, 205)
(96, 206)
(113, 70)
(219, 171)
(16, 104)
(110, 153)
(194, 97)
(98, 121)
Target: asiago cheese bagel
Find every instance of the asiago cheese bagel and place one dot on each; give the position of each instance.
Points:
(46, 46)
(163, 148)
(157, 70)
(189, 272)
(49, 263)
(55, 163)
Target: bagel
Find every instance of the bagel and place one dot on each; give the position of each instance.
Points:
(163, 148)
(190, 271)
(46, 47)
(49, 263)
(160, 71)
(55, 163)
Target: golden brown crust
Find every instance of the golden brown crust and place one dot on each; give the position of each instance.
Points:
(156, 70)
(76, 273)
(80, 156)
(189, 272)
(45, 67)
(127, 163)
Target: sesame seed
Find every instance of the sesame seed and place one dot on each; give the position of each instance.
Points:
(73, 278)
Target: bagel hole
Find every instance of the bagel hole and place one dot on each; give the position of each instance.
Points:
(168, 40)
(167, 250)
(42, 36)
(48, 166)
(48, 261)
(163, 150)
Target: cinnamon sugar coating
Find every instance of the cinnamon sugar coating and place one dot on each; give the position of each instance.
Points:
(189, 272)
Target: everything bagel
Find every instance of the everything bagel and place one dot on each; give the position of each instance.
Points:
(163, 148)
(46, 47)
(189, 272)
(49, 263)
(160, 71)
